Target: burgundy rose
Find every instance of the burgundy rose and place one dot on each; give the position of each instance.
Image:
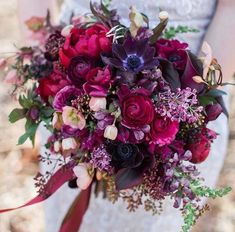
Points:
(78, 69)
(49, 86)
(163, 130)
(201, 145)
(98, 82)
(174, 51)
(137, 108)
(90, 42)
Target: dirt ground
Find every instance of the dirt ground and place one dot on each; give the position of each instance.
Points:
(18, 165)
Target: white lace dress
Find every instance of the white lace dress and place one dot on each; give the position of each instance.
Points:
(103, 216)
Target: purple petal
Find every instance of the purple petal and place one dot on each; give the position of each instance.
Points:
(119, 51)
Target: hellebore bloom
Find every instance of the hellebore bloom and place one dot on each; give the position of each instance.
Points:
(132, 56)
(73, 118)
(130, 162)
(65, 96)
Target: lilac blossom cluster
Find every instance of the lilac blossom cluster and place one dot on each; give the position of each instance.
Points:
(101, 159)
(181, 105)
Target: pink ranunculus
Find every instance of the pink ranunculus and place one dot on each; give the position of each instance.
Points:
(137, 109)
(85, 42)
(98, 82)
(201, 145)
(174, 51)
(163, 131)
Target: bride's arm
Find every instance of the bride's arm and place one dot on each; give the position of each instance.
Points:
(29, 8)
(221, 36)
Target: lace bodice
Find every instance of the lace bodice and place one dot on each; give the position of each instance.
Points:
(193, 13)
(103, 216)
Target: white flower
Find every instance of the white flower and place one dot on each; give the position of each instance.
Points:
(66, 30)
(69, 144)
(97, 103)
(111, 132)
(163, 15)
(57, 146)
(84, 179)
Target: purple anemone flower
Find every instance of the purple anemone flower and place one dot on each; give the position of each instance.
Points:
(65, 96)
(132, 56)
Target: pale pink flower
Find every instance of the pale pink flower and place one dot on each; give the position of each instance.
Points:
(111, 132)
(13, 78)
(84, 178)
(69, 144)
(57, 146)
(73, 118)
(3, 63)
(97, 103)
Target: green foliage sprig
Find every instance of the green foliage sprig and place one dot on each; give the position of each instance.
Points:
(171, 32)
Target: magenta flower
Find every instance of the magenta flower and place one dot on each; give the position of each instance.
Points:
(65, 96)
(163, 131)
(98, 82)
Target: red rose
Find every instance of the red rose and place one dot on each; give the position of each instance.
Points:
(174, 51)
(49, 86)
(90, 42)
(201, 145)
(98, 82)
(137, 109)
(163, 130)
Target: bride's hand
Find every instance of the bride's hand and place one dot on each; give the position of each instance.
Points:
(221, 37)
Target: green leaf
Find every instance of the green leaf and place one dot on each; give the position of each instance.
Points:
(16, 115)
(47, 112)
(25, 102)
(207, 100)
(23, 138)
(157, 31)
(215, 93)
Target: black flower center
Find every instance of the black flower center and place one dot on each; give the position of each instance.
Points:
(133, 62)
(125, 151)
(174, 58)
(69, 100)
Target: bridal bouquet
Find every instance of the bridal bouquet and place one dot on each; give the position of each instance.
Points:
(127, 108)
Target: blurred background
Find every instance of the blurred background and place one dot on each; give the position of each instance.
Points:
(18, 164)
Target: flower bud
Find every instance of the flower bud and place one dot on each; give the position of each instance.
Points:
(97, 103)
(69, 144)
(111, 132)
(3, 63)
(98, 175)
(163, 15)
(57, 121)
(57, 146)
(84, 179)
(66, 30)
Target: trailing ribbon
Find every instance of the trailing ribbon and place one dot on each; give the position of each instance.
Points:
(74, 216)
(64, 174)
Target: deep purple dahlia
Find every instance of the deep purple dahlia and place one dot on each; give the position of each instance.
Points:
(132, 56)
(65, 96)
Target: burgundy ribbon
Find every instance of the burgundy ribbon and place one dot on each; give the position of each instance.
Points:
(74, 216)
(64, 174)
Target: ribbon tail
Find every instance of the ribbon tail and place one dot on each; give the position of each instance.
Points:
(63, 175)
(74, 216)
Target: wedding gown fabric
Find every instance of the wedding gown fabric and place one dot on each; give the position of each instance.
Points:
(103, 216)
